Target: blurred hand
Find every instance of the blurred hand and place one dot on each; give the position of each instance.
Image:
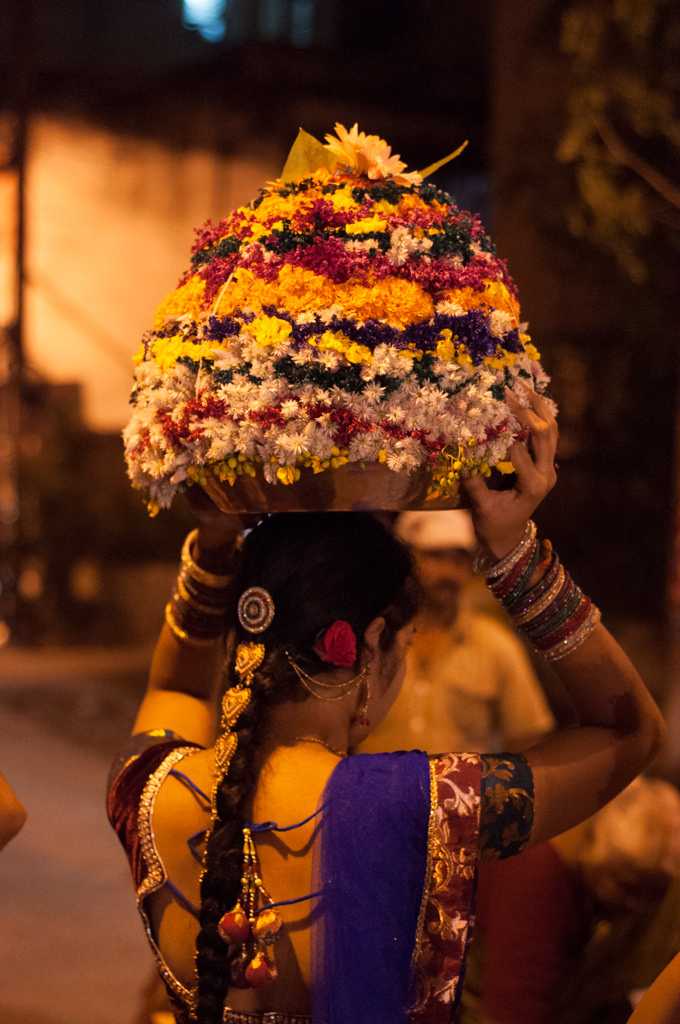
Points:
(500, 517)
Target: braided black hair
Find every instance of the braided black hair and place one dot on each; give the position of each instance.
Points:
(318, 568)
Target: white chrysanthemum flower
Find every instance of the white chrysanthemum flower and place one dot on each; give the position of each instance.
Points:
(228, 358)
(290, 408)
(387, 360)
(396, 414)
(450, 308)
(401, 461)
(500, 323)
(329, 359)
(290, 444)
(365, 447)
(403, 244)
(373, 393)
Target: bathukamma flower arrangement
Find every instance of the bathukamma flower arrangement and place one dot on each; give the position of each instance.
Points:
(343, 341)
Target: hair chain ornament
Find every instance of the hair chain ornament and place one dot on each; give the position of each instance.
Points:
(322, 690)
(255, 609)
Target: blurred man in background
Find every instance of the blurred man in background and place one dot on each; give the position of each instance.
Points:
(469, 682)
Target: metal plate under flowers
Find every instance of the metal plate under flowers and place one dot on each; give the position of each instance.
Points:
(352, 487)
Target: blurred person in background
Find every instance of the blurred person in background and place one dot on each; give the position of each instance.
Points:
(12, 812)
(568, 931)
(469, 684)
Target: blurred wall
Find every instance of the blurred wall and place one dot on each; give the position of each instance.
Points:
(111, 221)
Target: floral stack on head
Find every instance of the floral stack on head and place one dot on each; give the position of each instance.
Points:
(350, 319)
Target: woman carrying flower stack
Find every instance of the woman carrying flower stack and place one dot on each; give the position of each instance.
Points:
(280, 878)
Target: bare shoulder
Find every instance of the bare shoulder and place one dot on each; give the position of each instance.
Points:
(182, 798)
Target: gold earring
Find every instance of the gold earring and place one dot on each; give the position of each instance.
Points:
(361, 717)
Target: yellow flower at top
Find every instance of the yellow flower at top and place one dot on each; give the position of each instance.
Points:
(188, 299)
(369, 155)
(362, 227)
(269, 331)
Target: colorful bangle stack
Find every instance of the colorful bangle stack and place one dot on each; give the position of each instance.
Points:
(196, 612)
(554, 613)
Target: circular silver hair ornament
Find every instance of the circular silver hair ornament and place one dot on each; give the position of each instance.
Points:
(255, 609)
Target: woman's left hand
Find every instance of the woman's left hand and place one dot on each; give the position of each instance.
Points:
(500, 517)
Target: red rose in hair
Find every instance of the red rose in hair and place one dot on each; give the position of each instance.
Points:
(337, 645)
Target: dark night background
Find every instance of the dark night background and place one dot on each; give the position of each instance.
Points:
(127, 124)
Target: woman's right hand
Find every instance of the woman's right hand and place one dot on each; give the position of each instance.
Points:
(216, 528)
(218, 531)
(500, 517)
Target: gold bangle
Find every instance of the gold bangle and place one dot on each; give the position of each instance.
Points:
(208, 579)
(190, 599)
(182, 634)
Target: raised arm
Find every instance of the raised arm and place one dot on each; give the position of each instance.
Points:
(620, 728)
(186, 670)
(12, 812)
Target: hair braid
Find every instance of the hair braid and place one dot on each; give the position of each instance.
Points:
(221, 882)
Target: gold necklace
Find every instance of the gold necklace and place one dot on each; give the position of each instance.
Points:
(322, 743)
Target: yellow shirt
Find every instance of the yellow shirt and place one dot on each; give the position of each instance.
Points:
(470, 687)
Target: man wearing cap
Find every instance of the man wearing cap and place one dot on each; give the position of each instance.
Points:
(469, 682)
